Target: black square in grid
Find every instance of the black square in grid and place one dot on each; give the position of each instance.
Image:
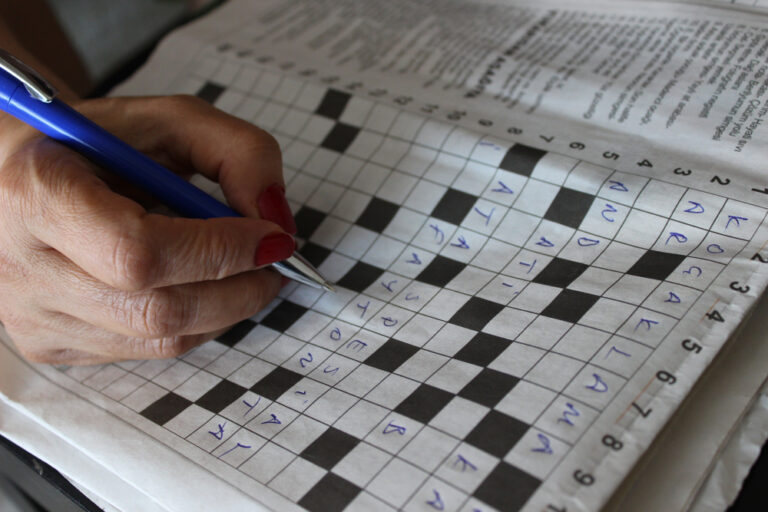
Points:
(424, 403)
(307, 220)
(340, 137)
(210, 92)
(569, 207)
(497, 433)
(315, 254)
(570, 305)
(560, 273)
(656, 265)
(377, 215)
(454, 206)
(360, 277)
(476, 313)
(391, 355)
(283, 316)
(328, 449)
(165, 408)
(236, 333)
(482, 349)
(276, 383)
(521, 159)
(440, 271)
(333, 104)
(488, 387)
(507, 488)
(331, 494)
(220, 396)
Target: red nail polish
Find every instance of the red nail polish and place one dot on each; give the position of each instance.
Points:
(274, 207)
(273, 248)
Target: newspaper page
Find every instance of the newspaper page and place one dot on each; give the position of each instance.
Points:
(543, 221)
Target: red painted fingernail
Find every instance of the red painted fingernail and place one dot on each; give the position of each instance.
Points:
(274, 207)
(273, 248)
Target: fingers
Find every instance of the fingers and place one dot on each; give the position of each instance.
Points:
(114, 240)
(189, 135)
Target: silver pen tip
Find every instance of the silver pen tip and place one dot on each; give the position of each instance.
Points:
(329, 288)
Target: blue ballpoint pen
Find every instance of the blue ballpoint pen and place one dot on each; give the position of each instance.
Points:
(27, 96)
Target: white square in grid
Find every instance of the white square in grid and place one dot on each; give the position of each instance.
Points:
(619, 257)
(607, 314)
(230, 361)
(366, 502)
(425, 196)
(104, 377)
(197, 385)
(405, 224)
(509, 323)
(516, 227)
(351, 205)
(537, 452)
(525, 401)
(621, 356)
(289, 89)
(356, 242)
(647, 327)
(365, 144)
(334, 335)
(238, 448)
(393, 432)
(344, 170)
(738, 219)
(225, 73)
(387, 286)
(504, 187)
(659, 198)
(588, 178)
(553, 168)
(453, 375)
(333, 303)
(543, 332)
(502, 289)
(250, 373)
(516, 359)
(329, 407)
(266, 84)
(459, 417)
(419, 330)
(696, 273)
(484, 217)
(301, 187)
(148, 369)
(299, 434)
(334, 369)
(269, 117)
(257, 340)
(381, 119)
(207, 66)
(435, 494)
(274, 418)
(490, 150)
(123, 386)
(330, 232)
(718, 247)
(267, 462)
(594, 280)
(383, 252)
(461, 142)
(297, 479)
(144, 396)
(308, 325)
(396, 187)
(310, 97)
(622, 188)
(433, 133)
(320, 163)
(604, 218)
(215, 431)
(594, 386)
(421, 365)
(325, 197)
(470, 280)
(671, 299)
(229, 101)
(536, 197)
(174, 376)
(415, 295)
(361, 464)
(416, 161)
(450, 339)
(390, 152)
(189, 85)
(445, 304)
(535, 298)
(356, 111)
(467, 467)
(307, 359)
(363, 344)
(581, 342)
(445, 168)
(584, 248)
(392, 390)
(362, 380)
(698, 208)
(566, 418)
(549, 237)
(360, 310)
(188, 420)
(495, 255)
(554, 371)
(281, 349)
(292, 122)
(632, 289)
(361, 418)
(370, 178)
(249, 109)
(641, 228)
(245, 408)
(396, 482)
(463, 245)
(389, 320)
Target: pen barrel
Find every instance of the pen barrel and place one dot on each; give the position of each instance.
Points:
(64, 124)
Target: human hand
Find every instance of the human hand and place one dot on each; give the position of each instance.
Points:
(88, 276)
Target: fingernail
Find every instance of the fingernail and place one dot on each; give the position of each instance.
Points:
(273, 248)
(274, 207)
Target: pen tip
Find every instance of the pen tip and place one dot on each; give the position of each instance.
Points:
(328, 288)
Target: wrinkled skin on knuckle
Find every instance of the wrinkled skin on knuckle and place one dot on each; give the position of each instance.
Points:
(161, 313)
(133, 262)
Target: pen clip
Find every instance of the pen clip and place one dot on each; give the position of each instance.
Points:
(37, 86)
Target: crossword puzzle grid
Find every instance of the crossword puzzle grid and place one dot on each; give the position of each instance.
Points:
(493, 299)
